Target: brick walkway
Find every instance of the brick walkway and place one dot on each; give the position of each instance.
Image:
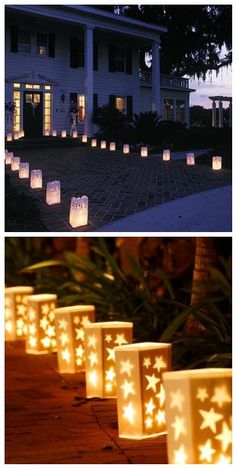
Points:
(117, 185)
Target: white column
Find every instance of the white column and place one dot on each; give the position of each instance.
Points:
(187, 113)
(88, 36)
(221, 122)
(156, 98)
(213, 113)
(230, 114)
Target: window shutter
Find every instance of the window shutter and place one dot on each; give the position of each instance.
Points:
(14, 39)
(129, 55)
(95, 56)
(73, 97)
(111, 60)
(129, 107)
(95, 102)
(112, 101)
(51, 45)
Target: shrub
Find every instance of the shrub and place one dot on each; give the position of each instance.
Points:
(111, 122)
(144, 128)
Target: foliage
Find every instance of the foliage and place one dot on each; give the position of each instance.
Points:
(111, 122)
(143, 128)
(201, 117)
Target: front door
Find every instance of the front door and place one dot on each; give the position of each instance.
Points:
(33, 114)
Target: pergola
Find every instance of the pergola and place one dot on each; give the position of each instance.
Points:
(220, 99)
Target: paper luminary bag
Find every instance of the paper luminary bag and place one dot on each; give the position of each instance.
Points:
(100, 341)
(198, 415)
(70, 323)
(16, 312)
(140, 390)
(41, 334)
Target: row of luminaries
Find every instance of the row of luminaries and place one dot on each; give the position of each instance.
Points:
(194, 407)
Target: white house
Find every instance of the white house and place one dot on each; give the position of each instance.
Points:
(58, 54)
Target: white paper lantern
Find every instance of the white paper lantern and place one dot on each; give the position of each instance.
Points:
(103, 144)
(54, 133)
(53, 192)
(216, 163)
(22, 134)
(144, 151)
(190, 159)
(24, 170)
(41, 333)
(47, 132)
(78, 211)
(36, 180)
(125, 149)
(9, 137)
(15, 163)
(166, 155)
(16, 135)
(63, 133)
(74, 134)
(112, 146)
(93, 142)
(16, 312)
(84, 138)
(8, 158)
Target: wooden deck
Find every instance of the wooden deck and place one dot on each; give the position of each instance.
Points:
(49, 420)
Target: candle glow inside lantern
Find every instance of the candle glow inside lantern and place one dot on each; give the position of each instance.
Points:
(78, 211)
(63, 133)
(190, 159)
(93, 142)
(36, 180)
(15, 163)
(125, 149)
(22, 133)
(54, 133)
(16, 135)
(53, 192)
(9, 137)
(100, 341)
(144, 151)
(84, 138)
(47, 132)
(216, 163)
(103, 144)
(112, 146)
(41, 333)
(8, 158)
(140, 389)
(166, 155)
(24, 170)
(16, 312)
(70, 323)
(74, 134)
(198, 416)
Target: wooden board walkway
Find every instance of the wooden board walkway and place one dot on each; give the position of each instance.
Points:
(49, 420)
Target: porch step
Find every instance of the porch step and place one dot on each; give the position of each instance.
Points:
(43, 142)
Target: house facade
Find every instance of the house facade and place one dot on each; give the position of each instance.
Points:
(61, 55)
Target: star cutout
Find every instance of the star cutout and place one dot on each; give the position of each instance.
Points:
(32, 329)
(126, 367)
(224, 460)
(66, 355)
(44, 323)
(45, 308)
(93, 378)
(79, 351)
(210, 418)
(64, 338)
(8, 313)
(161, 417)
(62, 324)
(20, 323)
(76, 320)
(120, 339)
(52, 306)
(150, 407)
(129, 413)
(179, 427)
(92, 341)
(108, 338)
(109, 387)
(93, 357)
(51, 331)
(159, 363)
(177, 400)
(18, 298)
(148, 422)
(79, 361)
(32, 341)
(161, 395)
(9, 326)
(32, 314)
(21, 309)
(85, 320)
(110, 374)
(225, 436)
(51, 316)
(152, 382)
(221, 396)
(146, 362)
(128, 388)
(111, 354)
(180, 456)
(46, 342)
(79, 334)
(206, 451)
(202, 394)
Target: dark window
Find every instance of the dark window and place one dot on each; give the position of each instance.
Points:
(95, 102)
(129, 64)
(76, 53)
(129, 107)
(51, 45)
(95, 56)
(24, 41)
(112, 101)
(14, 39)
(120, 59)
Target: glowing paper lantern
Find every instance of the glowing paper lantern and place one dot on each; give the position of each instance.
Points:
(16, 135)
(166, 155)
(74, 134)
(144, 151)
(216, 163)
(9, 137)
(16, 312)
(140, 389)
(41, 334)
(70, 323)
(36, 180)
(54, 133)
(63, 133)
(103, 144)
(112, 146)
(24, 170)
(190, 159)
(198, 416)
(84, 138)
(100, 341)
(8, 158)
(47, 132)
(22, 133)
(53, 192)
(78, 211)
(93, 142)
(15, 163)
(125, 149)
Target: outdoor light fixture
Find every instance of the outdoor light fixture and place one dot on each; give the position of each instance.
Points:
(144, 151)
(84, 138)
(140, 389)
(198, 416)
(16, 135)
(166, 155)
(74, 134)
(103, 144)
(125, 149)
(41, 334)
(47, 132)
(112, 146)
(100, 341)
(9, 137)
(53, 192)
(8, 158)
(54, 133)
(78, 211)
(93, 142)
(63, 133)
(70, 323)
(16, 312)
(15, 163)
(36, 180)
(216, 163)
(190, 159)
(24, 170)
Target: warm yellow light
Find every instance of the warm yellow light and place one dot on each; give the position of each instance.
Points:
(126, 149)
(144, 151)
(129, 413)
(8, 158)
(40, 324)
(54, 133)
(36, 180)
(78, 211)
(9, 137)
(53, 192)
(47, 132)
(112, 146)
(190, 159)
(84, 138)
(63, 133)
(24, 170)
(74, 134)
(15, 163)
(216, 163)
(93, 142)
(103, 144)
(166, 155)
(16, 312)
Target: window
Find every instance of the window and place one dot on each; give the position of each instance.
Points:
(168, 109)
(42, 44)
(76, 53)
(81, 107)
(180, 111)
(123, 104)
(24, 41)
(16, 119)
(32, 86)
(120, 59)
(120, 103)
(16, 85)
(47, 87)
(47, 111)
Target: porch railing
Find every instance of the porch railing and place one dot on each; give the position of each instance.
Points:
(166, 81)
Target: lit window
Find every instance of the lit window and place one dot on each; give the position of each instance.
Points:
(47, 87)
(47, 111)
(42, 44)
(81, 107)
(180, 111)
(32, 86)
(168, 109)
(24, 41)
(16, 85)
(120, 104)
(16, 118)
